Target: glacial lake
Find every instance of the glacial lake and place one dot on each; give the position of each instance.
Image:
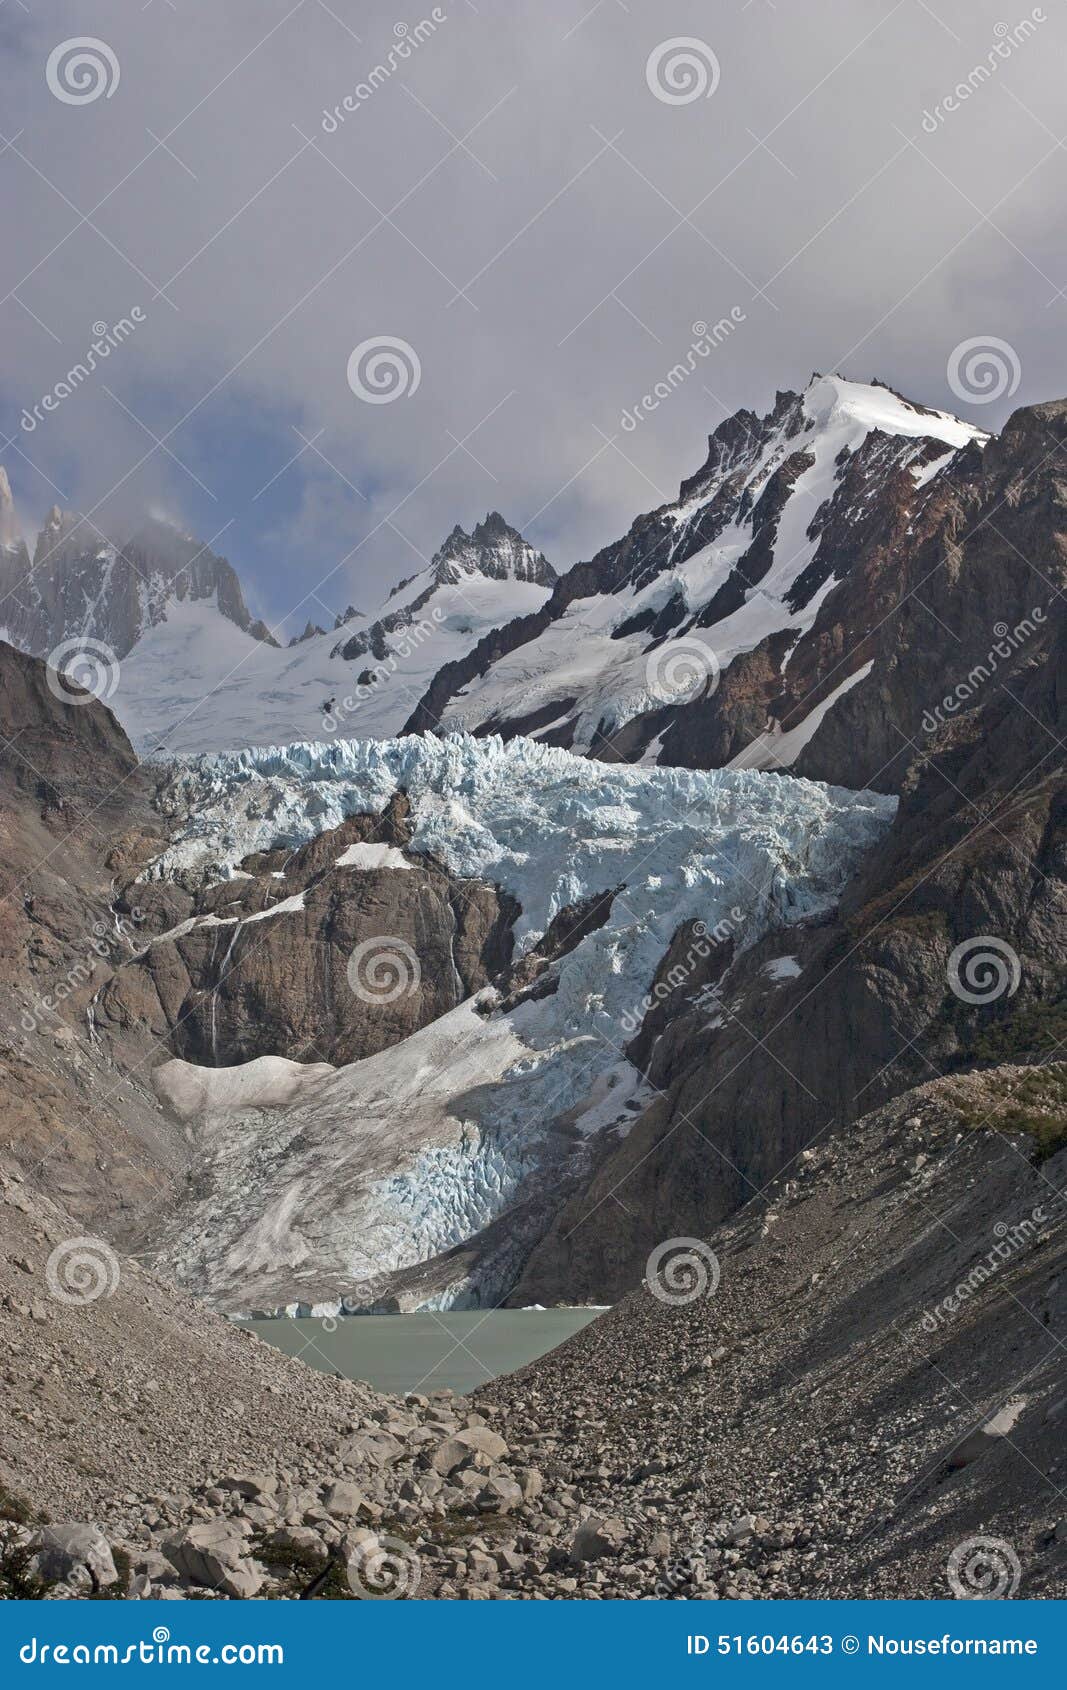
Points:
(424, 1352)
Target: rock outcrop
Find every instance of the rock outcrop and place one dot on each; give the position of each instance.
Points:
(76, 814)
(299, 954)
(82, 587)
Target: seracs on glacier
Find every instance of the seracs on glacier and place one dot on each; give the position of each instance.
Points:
(313, 1181)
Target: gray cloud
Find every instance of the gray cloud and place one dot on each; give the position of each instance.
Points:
(547, 270)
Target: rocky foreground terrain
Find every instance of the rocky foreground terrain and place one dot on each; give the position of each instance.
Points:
(836, 1394)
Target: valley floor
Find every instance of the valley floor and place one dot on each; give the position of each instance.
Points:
(867, 1382)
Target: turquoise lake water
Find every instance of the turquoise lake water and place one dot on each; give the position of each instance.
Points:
(423, 1352)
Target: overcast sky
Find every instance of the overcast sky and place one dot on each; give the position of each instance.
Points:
(517, 202)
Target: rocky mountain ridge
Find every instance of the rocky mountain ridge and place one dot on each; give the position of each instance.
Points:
(159, 629)
(724, 628)
(81, 586)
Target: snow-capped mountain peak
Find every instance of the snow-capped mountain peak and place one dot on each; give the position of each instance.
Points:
(752, 567)
(196, 670)
(494, 549)
(726, 627)
(831, 401)
(84, 586)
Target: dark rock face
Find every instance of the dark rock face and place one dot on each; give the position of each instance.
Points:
(451, 678)
(977, 858)
(964, 602)
(356, 958)
(533, 976)
(66, 754)
(76, 813)
(978, 853)
(82, 586)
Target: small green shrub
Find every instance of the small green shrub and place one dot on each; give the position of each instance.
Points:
(1035, 1105)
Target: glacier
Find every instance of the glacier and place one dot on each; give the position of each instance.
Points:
(311, 1181)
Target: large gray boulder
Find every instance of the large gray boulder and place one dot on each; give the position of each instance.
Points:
(461, 1446)
(62, 1551)
(212, 1554)
(344, 1500)
(599, 1536)
(255, 1487)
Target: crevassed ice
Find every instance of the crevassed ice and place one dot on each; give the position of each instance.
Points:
(546, 825)
(411, 1151)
